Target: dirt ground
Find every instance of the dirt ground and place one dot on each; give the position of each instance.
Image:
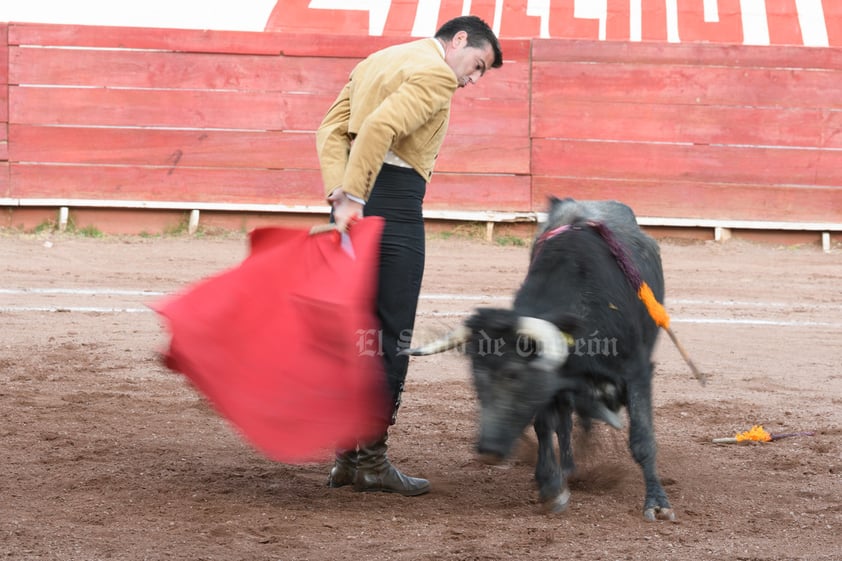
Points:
(107, 455)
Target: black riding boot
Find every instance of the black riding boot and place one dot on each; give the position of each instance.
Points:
(376, 473)
(343, 471)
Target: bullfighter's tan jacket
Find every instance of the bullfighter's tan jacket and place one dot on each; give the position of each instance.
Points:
(396, 99)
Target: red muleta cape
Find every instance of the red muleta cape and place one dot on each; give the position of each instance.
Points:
(281, 344)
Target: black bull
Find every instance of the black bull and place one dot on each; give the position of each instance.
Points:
(578, 339)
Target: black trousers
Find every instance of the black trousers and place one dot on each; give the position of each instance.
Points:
(397, 196)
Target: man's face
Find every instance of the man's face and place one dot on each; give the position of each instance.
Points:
(468, 63)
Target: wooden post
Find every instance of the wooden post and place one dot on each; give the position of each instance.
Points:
(193, 224)
(63, 217)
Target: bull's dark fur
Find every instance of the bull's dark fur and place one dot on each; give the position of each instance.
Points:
(574, 281)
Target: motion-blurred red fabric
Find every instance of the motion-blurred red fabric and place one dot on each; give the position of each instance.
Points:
(284, 345)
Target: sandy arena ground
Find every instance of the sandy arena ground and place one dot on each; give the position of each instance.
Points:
(107, 455)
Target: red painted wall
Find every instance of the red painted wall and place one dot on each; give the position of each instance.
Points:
(701, 131)
(675, 130)
(725, 22)
(4, 111)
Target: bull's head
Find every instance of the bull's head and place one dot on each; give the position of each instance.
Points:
(537, 337)
(518, 368)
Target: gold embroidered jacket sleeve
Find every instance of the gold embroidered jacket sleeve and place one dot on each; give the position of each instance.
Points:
(397, 99)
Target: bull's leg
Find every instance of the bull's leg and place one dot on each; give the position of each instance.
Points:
(564, 431)
(656, 506)
(552, 488)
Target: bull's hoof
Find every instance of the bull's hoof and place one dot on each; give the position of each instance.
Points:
(558, 503)
(659, 513)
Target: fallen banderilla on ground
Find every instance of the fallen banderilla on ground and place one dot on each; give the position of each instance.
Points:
(758, 434)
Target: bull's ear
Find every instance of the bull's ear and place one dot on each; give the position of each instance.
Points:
(492, 320)
(568, 323)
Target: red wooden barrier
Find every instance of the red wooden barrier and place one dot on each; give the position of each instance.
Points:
(4, 110)
(174, 115)
(693, 131)
(675, 130)
(485, 161)
(225, 117)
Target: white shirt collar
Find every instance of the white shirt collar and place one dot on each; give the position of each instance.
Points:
(439, 45)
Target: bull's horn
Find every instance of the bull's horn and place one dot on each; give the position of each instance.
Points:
(552, 345)
(453, 339)
(609, 416)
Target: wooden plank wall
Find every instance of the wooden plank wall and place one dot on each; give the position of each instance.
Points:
(675, 130)
(484, 163)
(690, 131)
(143, 114)
(4, 111)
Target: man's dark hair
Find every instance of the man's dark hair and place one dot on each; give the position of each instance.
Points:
(479, 35)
